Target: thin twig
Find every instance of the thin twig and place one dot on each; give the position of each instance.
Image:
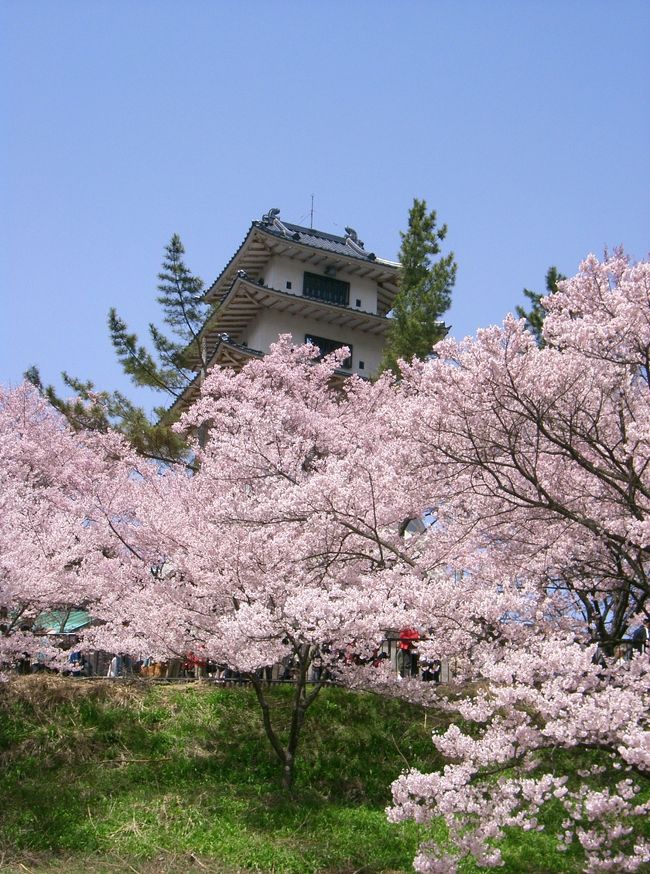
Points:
(406, 762)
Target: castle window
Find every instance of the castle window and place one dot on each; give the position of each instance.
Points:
(326, 346)
(326, 288)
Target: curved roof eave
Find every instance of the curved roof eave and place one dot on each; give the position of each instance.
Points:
(211, 324)
(207, 294)
(216, 290)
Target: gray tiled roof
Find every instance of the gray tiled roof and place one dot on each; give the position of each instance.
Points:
(319, 240)
(270, 235)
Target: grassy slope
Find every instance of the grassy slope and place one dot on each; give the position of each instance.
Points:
(130, 773)
(102, 777)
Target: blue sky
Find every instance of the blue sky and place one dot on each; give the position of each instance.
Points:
(526, 125)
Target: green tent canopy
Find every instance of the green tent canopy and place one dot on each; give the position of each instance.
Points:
(62, 621)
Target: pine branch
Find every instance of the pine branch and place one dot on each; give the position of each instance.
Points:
(425, 290)
(136, 360)
(537, 313)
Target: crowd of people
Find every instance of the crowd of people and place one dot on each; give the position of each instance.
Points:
(401, 650)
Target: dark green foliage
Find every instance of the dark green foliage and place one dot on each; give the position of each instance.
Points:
(181, 296)
(184, 311)
(535, 316)
(100, 410)
(425, 290)
(166, 369)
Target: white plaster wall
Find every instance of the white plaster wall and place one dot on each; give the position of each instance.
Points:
(281, 270)
(265, 329)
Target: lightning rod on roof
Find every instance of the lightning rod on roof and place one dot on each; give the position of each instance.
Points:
(311, 215)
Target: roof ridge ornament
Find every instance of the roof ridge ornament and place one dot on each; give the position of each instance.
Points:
(352, 234)
(352, 240)
(271, 220)
(269, 217)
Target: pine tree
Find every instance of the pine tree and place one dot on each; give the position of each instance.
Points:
(535, 316)
(184, 311)
(425, 290)
(166, 369)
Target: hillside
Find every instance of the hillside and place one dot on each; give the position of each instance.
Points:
(105, 777)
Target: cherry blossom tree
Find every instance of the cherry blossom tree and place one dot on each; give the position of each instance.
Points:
(550, 450)
(289, 542)
(46, 475)
(536, 462)
(265, 554)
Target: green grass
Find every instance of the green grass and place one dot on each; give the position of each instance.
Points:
(155, 775)
(106, 777)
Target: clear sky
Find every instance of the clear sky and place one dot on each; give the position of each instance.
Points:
(525, 124)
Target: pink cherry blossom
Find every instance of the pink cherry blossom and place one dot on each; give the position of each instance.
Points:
(292, 539)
